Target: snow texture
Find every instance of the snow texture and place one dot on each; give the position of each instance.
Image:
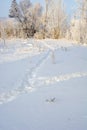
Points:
(39, 94)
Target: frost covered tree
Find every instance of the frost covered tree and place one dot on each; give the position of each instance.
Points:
(54, 19)
(79, 22)
(15, 12)
(82, 9)
(18, 12)
(45, 19)
(57, 19)
(27, 15)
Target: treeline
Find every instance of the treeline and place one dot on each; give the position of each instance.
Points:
(78, 25)
(32, 20)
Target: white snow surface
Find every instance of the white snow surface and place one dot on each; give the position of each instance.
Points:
(43, 85)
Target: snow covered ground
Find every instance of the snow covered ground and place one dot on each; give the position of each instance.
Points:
(43, 85)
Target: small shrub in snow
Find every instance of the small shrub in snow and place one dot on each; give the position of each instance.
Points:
(51, 100)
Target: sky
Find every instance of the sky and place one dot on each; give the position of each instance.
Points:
(5, 5)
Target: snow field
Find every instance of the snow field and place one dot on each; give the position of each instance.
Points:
(37, 94)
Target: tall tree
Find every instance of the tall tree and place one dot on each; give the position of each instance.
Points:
(26, 14)
(15, 12)
(80, 22)
(56, 18)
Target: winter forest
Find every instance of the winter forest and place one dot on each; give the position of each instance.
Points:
(43, 65)
(28, 20)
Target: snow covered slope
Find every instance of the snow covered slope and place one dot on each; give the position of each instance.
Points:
(43, 85)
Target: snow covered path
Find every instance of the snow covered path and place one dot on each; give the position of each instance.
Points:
(20, 52)
(47, 96)
(24, 85)
(51, 80)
